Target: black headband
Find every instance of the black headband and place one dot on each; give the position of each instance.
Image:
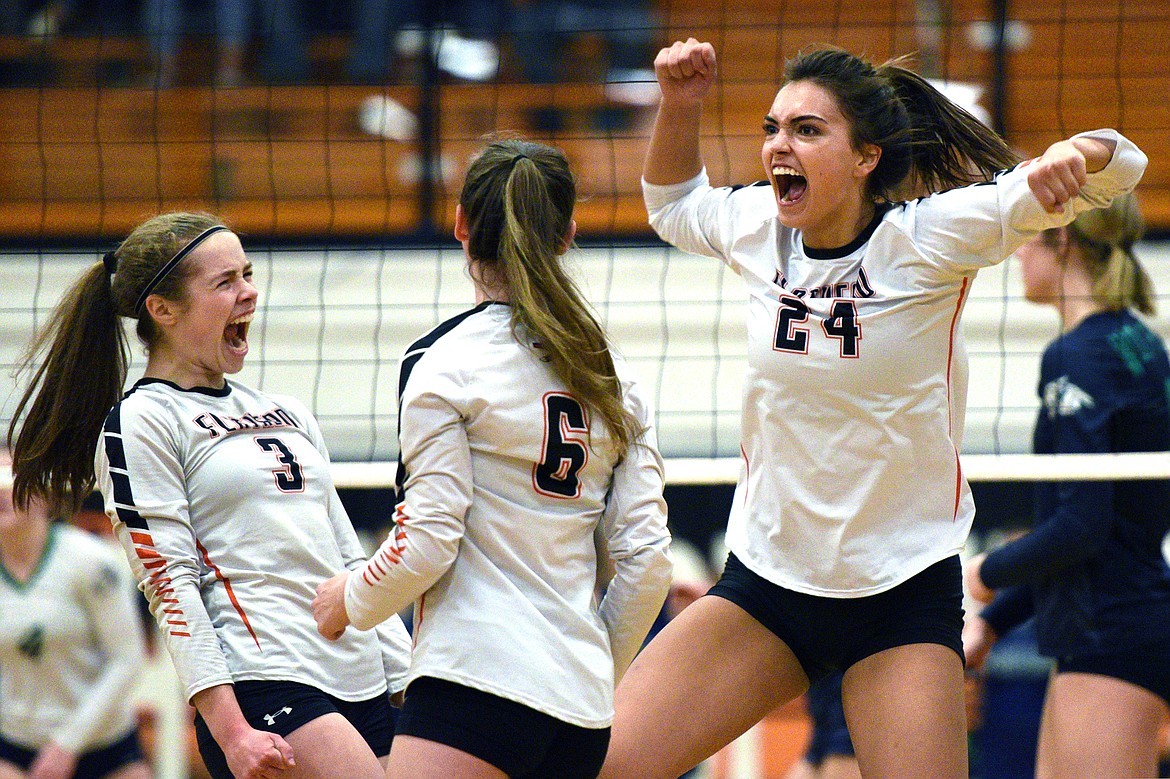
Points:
(171, 263)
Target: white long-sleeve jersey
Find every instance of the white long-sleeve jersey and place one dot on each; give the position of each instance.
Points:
(71, 646)
(855, 392)
(505, 481)
(224, 504)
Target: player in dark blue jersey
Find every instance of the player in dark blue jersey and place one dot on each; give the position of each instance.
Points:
(1092, 569)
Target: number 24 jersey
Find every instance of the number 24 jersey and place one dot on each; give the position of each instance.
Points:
(854, 400)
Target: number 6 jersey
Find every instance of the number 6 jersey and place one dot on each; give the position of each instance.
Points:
(224, 503)
(504, 481)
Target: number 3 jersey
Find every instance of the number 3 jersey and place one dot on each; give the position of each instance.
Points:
(855, 392)
(224, 503)
(505, 479)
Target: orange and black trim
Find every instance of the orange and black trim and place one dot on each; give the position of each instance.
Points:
(158, 579)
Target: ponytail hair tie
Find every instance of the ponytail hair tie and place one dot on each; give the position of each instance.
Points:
(110, 260)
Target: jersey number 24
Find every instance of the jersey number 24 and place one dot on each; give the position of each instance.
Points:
(841, 324)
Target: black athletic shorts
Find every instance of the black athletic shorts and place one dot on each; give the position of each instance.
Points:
(93, 764)
(520, 741)
(828, 634)
(1148, 670)
(282, 707)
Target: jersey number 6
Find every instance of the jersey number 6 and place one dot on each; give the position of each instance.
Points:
(566, 449)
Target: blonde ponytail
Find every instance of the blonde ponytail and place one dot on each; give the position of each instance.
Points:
(1106, 237)
(519, 199)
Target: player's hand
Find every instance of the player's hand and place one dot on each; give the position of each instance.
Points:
(1058, 175)
(329, 607)
(53, 762)
(258, 754)
(973, 581)
(685, 71)
(978, 638)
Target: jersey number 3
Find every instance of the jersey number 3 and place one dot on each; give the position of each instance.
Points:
(566, 447)
(289, 477)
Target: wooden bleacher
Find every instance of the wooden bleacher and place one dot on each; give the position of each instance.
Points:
(79, 159)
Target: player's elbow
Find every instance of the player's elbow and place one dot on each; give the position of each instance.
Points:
(653, 567)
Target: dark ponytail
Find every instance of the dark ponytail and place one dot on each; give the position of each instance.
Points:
(928, 143)
(77, 363)
(85, 358)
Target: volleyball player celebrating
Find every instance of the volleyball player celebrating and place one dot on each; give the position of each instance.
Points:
(222, 499)
(521, 438)
(71, 647)
(1093, 565)
(851, 505)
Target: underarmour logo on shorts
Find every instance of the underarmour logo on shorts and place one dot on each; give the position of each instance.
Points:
(271, 718)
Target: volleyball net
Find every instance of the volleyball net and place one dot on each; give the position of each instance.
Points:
(344, 192)
(333, 323)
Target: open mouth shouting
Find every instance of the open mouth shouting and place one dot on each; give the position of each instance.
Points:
(236, 333)
(790, 185)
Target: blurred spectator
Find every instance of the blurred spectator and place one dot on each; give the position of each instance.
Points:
(13, 16)
(48, 20)
(1014, 677)
(464, 46)
(286, 57)
(41, 51)
(545, 30)
(43, 20)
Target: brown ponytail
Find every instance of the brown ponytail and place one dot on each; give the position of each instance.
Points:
(928, 143)
(519, 198)
(77, 363)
